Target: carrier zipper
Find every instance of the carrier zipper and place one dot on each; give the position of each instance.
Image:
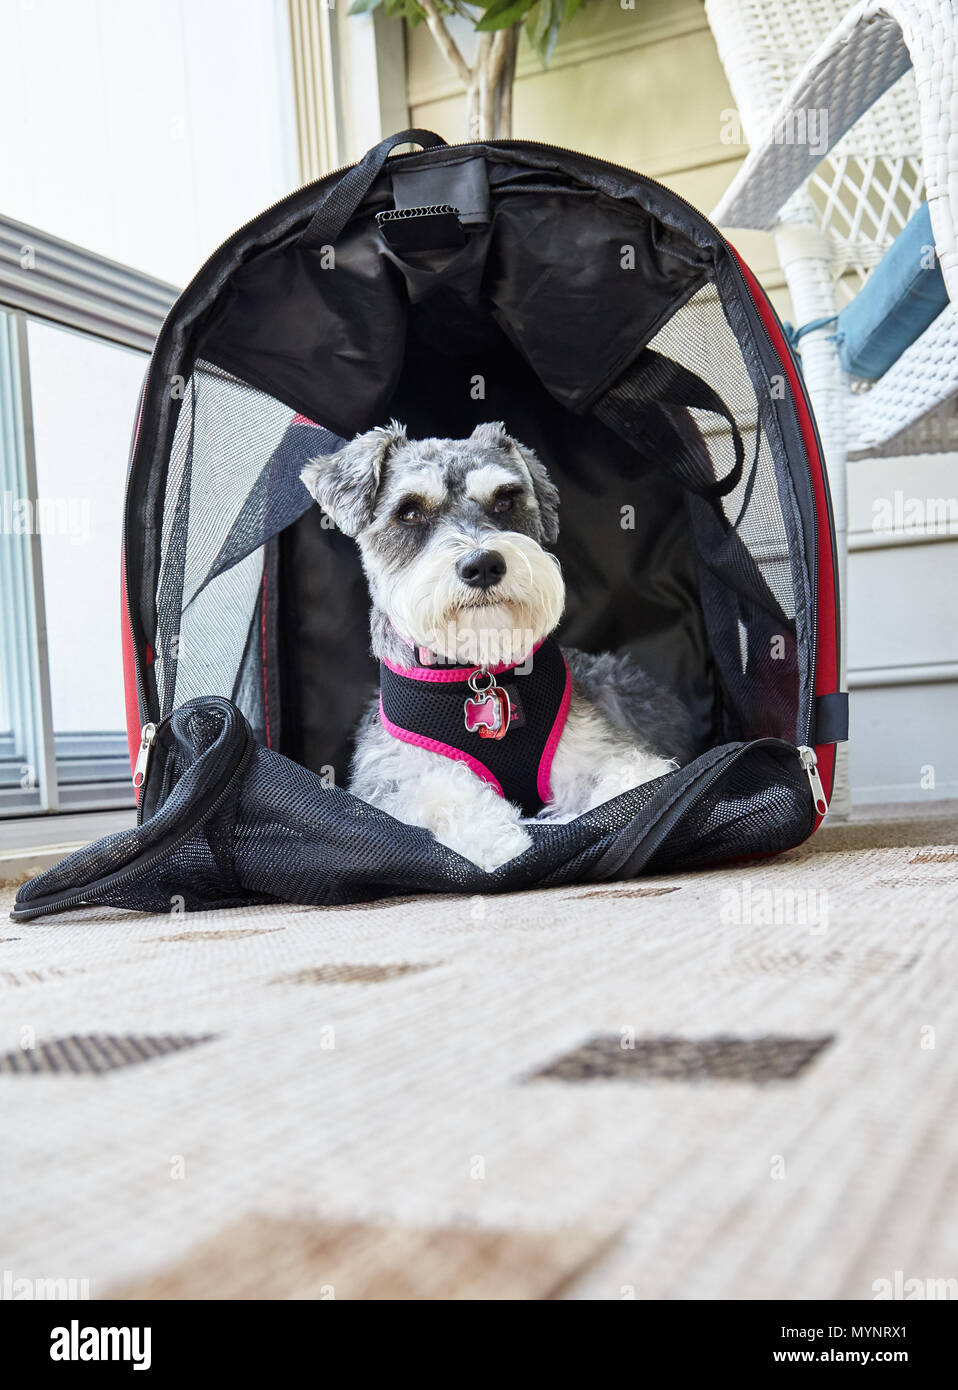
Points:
(809, 759)
(144, 761)
(316, 184)
(148, 736)
(147, 739)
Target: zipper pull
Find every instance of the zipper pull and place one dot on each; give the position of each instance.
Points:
(147, 735)
(810, 764)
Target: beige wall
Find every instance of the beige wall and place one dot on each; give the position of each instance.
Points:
(642, 87)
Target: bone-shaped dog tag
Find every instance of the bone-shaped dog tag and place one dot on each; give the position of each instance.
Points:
(487, 710)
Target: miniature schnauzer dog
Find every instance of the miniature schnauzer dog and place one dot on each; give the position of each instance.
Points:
(483, 721)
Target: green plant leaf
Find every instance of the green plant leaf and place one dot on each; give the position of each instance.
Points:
(502, 14)
(543, 18)
(535, 19)
(547, 47)
(492, 7)
(542, 27)
(409, 10)
(548, 12)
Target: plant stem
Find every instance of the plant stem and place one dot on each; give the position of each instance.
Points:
(506, 83)
(447, 43)
(487, 91)
(495, 64)
(489, 82)
(472, 112)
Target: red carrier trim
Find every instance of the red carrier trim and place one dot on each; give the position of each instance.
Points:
(826, 657)
(131, 694)
(131, 698)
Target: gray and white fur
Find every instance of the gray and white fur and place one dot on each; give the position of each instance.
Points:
(451, 534)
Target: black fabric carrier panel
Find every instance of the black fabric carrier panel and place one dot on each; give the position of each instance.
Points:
(616, 332)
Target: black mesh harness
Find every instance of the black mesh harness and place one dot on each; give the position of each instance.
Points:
(425, 706)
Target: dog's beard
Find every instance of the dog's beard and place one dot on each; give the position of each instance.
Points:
(428, 604)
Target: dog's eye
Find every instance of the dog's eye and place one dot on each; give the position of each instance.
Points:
(503, 502)
(411, 514)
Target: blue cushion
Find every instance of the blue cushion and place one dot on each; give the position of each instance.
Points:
(901, 297)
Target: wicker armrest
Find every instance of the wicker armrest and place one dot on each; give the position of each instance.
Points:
(861, 59)
(872, 47)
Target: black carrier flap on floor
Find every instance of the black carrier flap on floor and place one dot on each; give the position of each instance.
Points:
(236, 823)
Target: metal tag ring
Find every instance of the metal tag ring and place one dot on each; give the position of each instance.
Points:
(481, 689)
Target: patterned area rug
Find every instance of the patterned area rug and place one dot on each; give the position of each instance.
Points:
(734, 1084)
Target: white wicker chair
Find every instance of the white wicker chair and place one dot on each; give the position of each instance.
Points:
(885, 72)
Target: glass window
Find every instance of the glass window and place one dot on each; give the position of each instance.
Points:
(84, 395)
(67, 403)
(25, 772)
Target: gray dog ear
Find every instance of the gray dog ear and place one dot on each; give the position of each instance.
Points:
(492, 434)
(345, 484)
(546, 492)
(544, 489)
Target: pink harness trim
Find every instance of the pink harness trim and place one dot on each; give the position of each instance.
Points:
(445, 749)
(453, 673)
(543, 779)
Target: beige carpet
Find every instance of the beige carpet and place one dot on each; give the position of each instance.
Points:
(737, 1084)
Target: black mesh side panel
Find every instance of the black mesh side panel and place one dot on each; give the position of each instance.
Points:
(233, 483)
(752, 578)
(249, 692)
(759, 806)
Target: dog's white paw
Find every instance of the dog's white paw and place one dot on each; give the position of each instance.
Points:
(488, 845)
(622, 775)
(462, 812)
(553, 815)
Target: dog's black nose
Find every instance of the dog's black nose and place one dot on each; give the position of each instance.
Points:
(483, 569)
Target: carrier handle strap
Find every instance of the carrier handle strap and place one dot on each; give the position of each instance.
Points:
(663, 382)
(347, 193)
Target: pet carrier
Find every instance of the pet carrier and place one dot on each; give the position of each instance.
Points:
(617, 333)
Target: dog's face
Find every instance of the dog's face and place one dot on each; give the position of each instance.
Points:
(451, 534)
